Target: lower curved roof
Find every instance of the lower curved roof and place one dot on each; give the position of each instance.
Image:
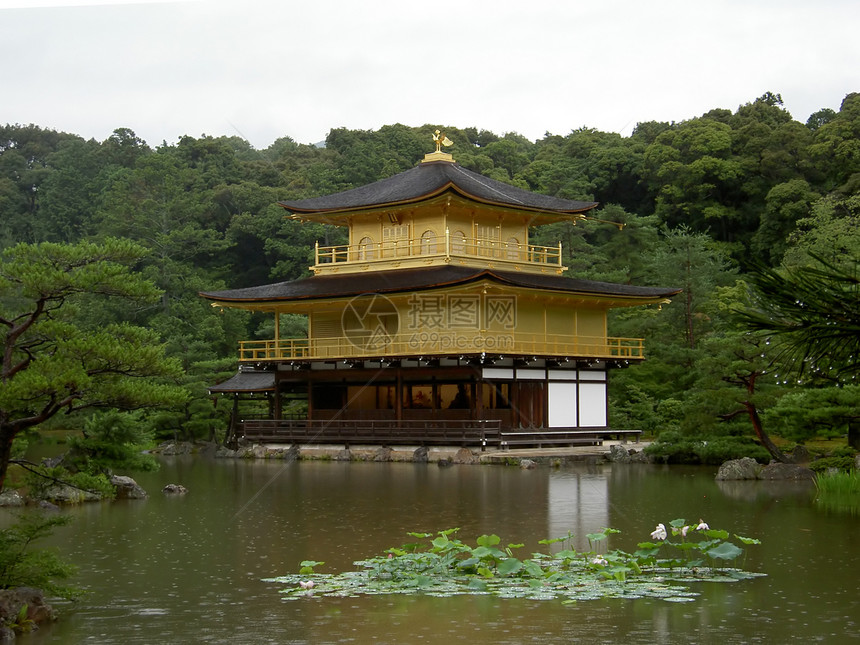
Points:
(405, 280)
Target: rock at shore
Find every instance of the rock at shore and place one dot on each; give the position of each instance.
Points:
(776, 470)
(465, 456)
(383, 453)
(175, 448)
(62, 494)
(745, 468)
(13, 601)
(11, 498)
(127, 488)
(748, 468)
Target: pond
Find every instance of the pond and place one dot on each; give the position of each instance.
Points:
(191, 569)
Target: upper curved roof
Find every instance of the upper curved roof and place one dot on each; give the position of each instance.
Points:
(429, 179)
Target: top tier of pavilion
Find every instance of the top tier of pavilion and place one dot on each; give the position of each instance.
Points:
(437, 213)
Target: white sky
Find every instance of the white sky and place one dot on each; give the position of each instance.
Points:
(263, 69)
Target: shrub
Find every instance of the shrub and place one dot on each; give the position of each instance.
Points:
(42, 482)
(844, 464)
(843, 451)
(716, 451)
(23, 566)
(673, 448)
(112, 439)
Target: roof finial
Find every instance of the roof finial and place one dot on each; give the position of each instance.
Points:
(440, 140)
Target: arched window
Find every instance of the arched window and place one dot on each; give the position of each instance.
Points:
(513, 248)
(458, 243)
(428, 243)
(366, 249)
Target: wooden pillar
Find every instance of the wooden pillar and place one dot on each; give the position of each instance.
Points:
(310, 396)
(516, 418)
(398, 394)
(233, 429)
(275, 406)
(541, 411)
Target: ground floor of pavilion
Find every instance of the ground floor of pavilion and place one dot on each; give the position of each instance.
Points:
(471, 401)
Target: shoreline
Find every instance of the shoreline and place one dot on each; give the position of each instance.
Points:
(609, 452)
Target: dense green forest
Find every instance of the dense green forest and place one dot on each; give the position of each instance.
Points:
(705, 203)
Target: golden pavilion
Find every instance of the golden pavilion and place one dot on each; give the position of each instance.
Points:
(438, 323)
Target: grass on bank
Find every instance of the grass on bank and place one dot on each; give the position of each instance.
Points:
(839, 491)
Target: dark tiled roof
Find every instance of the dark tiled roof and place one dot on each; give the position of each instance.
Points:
(400, 280)
(432, 178)
(246, 382)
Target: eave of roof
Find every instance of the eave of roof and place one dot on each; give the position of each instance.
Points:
(428, 180)
(404, 280)
(247, 382)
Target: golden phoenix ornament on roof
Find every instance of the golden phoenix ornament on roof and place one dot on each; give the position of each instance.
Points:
(441, 140)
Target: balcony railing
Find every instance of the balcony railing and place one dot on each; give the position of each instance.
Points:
(446, 432)
(446, 246)
(441, 344)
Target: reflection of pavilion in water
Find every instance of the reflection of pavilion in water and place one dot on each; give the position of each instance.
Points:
(577, 501)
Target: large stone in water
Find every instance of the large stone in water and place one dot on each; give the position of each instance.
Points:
(745, 468)
(127, 488)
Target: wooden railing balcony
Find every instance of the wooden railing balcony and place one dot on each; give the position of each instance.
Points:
(445, 248)
(447, 432)
(441, 344)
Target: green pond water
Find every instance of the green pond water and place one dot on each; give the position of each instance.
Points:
(191, 569)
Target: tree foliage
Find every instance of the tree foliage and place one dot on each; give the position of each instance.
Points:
(23, 566)
(52, 361)
(813, 313)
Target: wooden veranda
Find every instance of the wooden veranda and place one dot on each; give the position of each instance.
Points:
(483, 434)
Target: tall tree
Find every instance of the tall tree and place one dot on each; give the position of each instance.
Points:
(24, 153)
(836, 148)
(696, 264)
(53, 363)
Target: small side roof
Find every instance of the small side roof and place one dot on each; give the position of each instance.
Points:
(428, 180)
(246, 382)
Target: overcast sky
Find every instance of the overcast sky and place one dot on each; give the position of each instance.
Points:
(263, 69)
